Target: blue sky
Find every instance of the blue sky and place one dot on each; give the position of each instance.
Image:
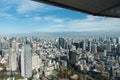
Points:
(25, 16)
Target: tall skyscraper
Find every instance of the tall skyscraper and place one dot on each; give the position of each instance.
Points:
(118, 50)
(62, 43)
(26, 61)
(104, 53)
(83, 45)
(89, 46)
(114, 41)
(72, 57)
(94, 48)
(12, 60)
(118, 40)
(108, 46)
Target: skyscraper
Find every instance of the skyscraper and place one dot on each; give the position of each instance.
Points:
(72, 57)
(118, 50)
(26, 61)
(12, 60)
(114, 41)
(89, 46)
(14, 45)
(94, 48)
(104, 53)
(108, 46)
(62, 43)
(118, 40)
(83, 45)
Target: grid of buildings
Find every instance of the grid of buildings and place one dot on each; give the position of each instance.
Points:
(37, 58)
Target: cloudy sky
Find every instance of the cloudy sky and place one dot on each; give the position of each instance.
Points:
(24, 16)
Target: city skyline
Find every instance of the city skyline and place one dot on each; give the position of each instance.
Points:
(44, 42)
(77, 58)
(27, 16)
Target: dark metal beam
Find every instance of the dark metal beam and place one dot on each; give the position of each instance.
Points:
(80, 10)
(102, 11)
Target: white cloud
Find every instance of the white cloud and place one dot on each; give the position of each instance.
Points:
(90, 23)
(54, 19)
(24, 6)
(93, 23)
(28, 6)
(8, 16)
(5, 15)
(36, 18)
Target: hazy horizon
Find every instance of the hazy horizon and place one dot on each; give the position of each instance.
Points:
(64, 34)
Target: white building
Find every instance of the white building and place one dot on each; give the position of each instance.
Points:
(26, 61)
(12, 60)
(36, 61)
(118, 40)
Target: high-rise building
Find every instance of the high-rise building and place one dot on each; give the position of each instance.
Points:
(104, 53)
(118, 40)
(94, 48)
(13, 45)
(114, 41)
(26, 61)
(83, 45)
(36, 61)
(77, 45)
(89, 46)
(118, 50)
(108, 46)
(5, 45)
(72, 57)
(62, 43)
(12, 60)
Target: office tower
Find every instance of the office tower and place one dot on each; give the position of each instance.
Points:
(118, 40)
(1, 52)
(69, 44)
(72, 57)
(108, 46)
(89, 46)
(35, 61)
(77, 45)
(84, 45)
(105, 53)
(111, 72)
(114, 41)
(94, 48)
(0, 57)
(34, 46)
(26, 61)
(62, 43)
(0, 46)
(12, 60)
(13, 45)
(118, 50)
(5, 45)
